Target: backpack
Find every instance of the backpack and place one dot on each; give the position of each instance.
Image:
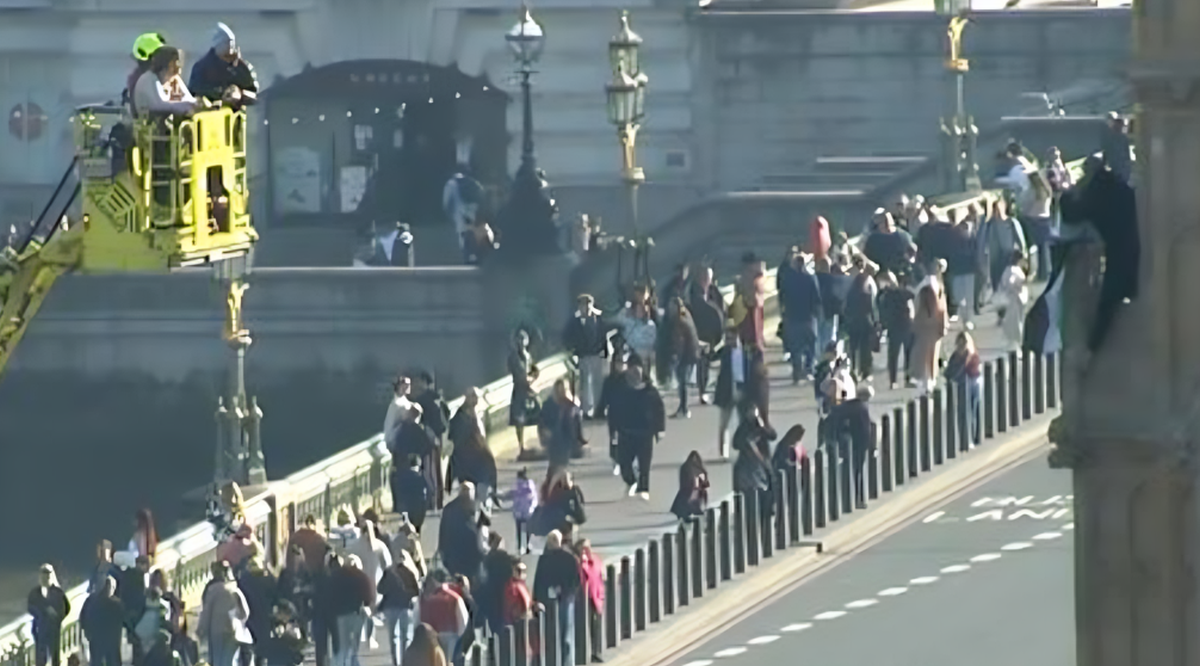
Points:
(469, 190)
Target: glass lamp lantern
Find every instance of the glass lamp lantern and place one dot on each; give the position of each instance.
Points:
(622, 95)
(639, 96)
(623, 48)
(526, 39)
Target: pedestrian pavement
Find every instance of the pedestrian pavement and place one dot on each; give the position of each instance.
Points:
(617, 525)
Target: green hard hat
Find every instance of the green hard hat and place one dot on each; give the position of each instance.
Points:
(146, 44)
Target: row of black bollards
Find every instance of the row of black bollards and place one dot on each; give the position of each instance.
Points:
(728, 539)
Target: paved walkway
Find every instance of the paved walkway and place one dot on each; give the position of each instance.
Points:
(617, 524)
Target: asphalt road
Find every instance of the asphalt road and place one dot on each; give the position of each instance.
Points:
(984, 580)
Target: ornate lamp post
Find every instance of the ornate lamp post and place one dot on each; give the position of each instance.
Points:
(626, 95)
(959, 133)
(528, 217)
(239, 437)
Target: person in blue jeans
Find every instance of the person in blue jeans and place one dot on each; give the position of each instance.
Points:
(800, 298)
(558, 580)
(964, 367)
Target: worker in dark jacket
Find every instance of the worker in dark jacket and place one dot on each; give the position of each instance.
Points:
(639, 416)
(222, 74)
(102, 619)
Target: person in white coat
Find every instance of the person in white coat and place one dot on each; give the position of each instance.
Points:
(376, 558)
(1016, 297)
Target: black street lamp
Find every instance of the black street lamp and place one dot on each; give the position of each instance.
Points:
(527, 220)
(626, 95)
(959, 134)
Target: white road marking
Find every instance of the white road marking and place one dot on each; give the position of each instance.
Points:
(700, 662)
(862, 603)
(933, 516)
(893, 591)
(986, 557)
(956, 568)
(1068, 526)
(730, 652)
(1018, 545)
(829, 615)
(923, 580)
(799, 626)
(1046, 536)
(762, 640)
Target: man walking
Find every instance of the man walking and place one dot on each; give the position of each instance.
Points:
(584, 338)
(638, 415)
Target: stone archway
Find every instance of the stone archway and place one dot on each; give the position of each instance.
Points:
(365, 141)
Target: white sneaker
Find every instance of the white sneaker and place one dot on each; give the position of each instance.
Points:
(725, 450)
(632, 490)
(644, 496)
(616, 470)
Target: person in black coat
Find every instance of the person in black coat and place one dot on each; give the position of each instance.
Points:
(497, 570)
(800, 300)
(558, 579)
(261, 591)
(48, 605)
(410, 491)
(612, 384)
(692, 498)
(132, 590)
(639, 415)
(434, 417)
(895, 306)
(753, 474)
(459, 541)
(324, 622)
(471, 459)
(102, 619)
(849, 426)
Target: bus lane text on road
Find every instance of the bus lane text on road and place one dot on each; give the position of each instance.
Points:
(1006, 508)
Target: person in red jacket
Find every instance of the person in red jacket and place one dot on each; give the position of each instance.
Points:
(591, 572)
(819, 238)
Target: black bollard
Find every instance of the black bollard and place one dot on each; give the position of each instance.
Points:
(522, 641)
(820, 515)
(723, 545)
(783, 511)
(848, 475)
(654, 583)
(1001, 396)
(766, 524)
(924, 435)
(696, 566)
(710, 547)
(753, 520)
(1052, 380)
(583, 623)
(505, 647)
(506, 643)
(738, 533)
(612, 630)
(1027, 385)
(1039, 384)
(639, 589)
(551, 635)
(833, 475)
(476, 656)
(912, 449)
(626, 583)
(805, 487)
(898, 446)
(885, 453)
(668, 572)
(1014, 390)
(873, 464)
(950, 420)
(791, 490)
(683, 575)
(989, 401)
(938, 420)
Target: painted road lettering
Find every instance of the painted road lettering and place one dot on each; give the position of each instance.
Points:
(1004, 508)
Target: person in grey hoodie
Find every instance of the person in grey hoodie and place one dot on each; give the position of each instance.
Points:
(1000, 237)
(223, 617)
